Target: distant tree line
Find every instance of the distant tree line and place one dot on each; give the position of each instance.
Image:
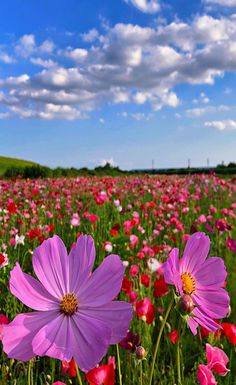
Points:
(37, 171)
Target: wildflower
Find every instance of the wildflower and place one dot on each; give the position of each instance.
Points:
(154, 265)
(103, 375)
(140, 353)
(173, 336)
(205, 376)
(75, 220)
(3, 260)
(217, 361)
(75, 313)
(69, 367)
(130, 342)
(200, 278)
(145, 280)
(108, 247)
(19, 240)
(231, 243)
(3, 321)
(145, 310)
(160, 288)
(230, 332)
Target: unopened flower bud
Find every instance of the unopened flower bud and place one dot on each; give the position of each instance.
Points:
(140, 353)
(186, 304)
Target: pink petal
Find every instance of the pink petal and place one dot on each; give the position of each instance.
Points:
(31, 292)
(50, 262)
(195, 252)
(81, 260)
(171, 267)
(217, 360)
(215, 303)
(90, 342)
(54, 339)
(212, 272)
(117, 315)
(104, 284)
(205, 376)
(18, 335)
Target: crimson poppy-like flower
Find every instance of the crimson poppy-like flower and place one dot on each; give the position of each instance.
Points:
(75, 315)
(103, 375)
(160, 288)
(130, 342)
(145, 310)
(201, 279)
(173, 336)
(230, 332)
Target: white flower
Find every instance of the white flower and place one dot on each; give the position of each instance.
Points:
(153, 264)
(20, 240)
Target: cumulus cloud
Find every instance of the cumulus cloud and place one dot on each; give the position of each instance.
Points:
(5, 58)
(222, 125)
(146, 6)
(127, 64)
(90, 36)
(196, 112)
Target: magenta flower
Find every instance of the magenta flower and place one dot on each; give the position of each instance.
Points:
(216, 362)
(205, 376)
(201, 280)
(75, 313)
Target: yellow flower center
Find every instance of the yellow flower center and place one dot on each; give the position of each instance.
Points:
(69, 304)
(188, 283)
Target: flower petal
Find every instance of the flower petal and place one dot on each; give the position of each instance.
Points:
(195, 252)
(104, 284)
(50, 262)
(91, 338)
(171, 267)
(54, 339)
(202, 319)
(117, 315)
(31, 292)
(18, 335)
(214, 303)
(81, 260)
(211, 273)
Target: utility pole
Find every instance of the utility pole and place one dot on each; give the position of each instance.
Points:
(189, 163)
(208, 162)
(153, 162)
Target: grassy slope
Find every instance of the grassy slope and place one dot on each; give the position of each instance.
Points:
(6, 162)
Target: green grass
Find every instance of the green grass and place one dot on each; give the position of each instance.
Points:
(6, 162)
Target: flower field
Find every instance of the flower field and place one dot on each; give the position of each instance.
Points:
(158, 309)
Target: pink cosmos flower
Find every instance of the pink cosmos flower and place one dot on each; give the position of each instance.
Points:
(217, 360)
(75, 313)
(201, 279)
(205, 376)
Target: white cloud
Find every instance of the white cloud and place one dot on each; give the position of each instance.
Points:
(77, 54)
(146, 6)
(222, 125)
(90, 36)
(48, 63)
(128, 64)
(4, 115)
(196, 112)
(5, 58)
(225, 3)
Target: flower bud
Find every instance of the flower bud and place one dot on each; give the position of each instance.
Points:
(186, 304)
(140, 353)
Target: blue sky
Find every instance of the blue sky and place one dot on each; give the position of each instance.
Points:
(129, 81)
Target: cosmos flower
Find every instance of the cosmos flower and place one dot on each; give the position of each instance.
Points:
(75, 315)
(201, 280)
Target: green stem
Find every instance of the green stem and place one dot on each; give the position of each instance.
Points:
(118, 362)
(141, 372)
(78, 374)
(159, 339)
(178, 363)
(29, 373)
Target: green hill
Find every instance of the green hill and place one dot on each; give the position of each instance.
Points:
(6, 162)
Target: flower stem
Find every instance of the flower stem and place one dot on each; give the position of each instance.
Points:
(118, 362)
(178, 363)
(29, 373)
(159, 339)
(141, 372)
(78, 374)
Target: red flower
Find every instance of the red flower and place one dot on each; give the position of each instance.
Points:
(103, 375)
(145, 280)
(126, 286)
(145, 310)
(3, 321)
(160, 288)
(230, 332)
(69, 368)
(173, 336)
(11, 207)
